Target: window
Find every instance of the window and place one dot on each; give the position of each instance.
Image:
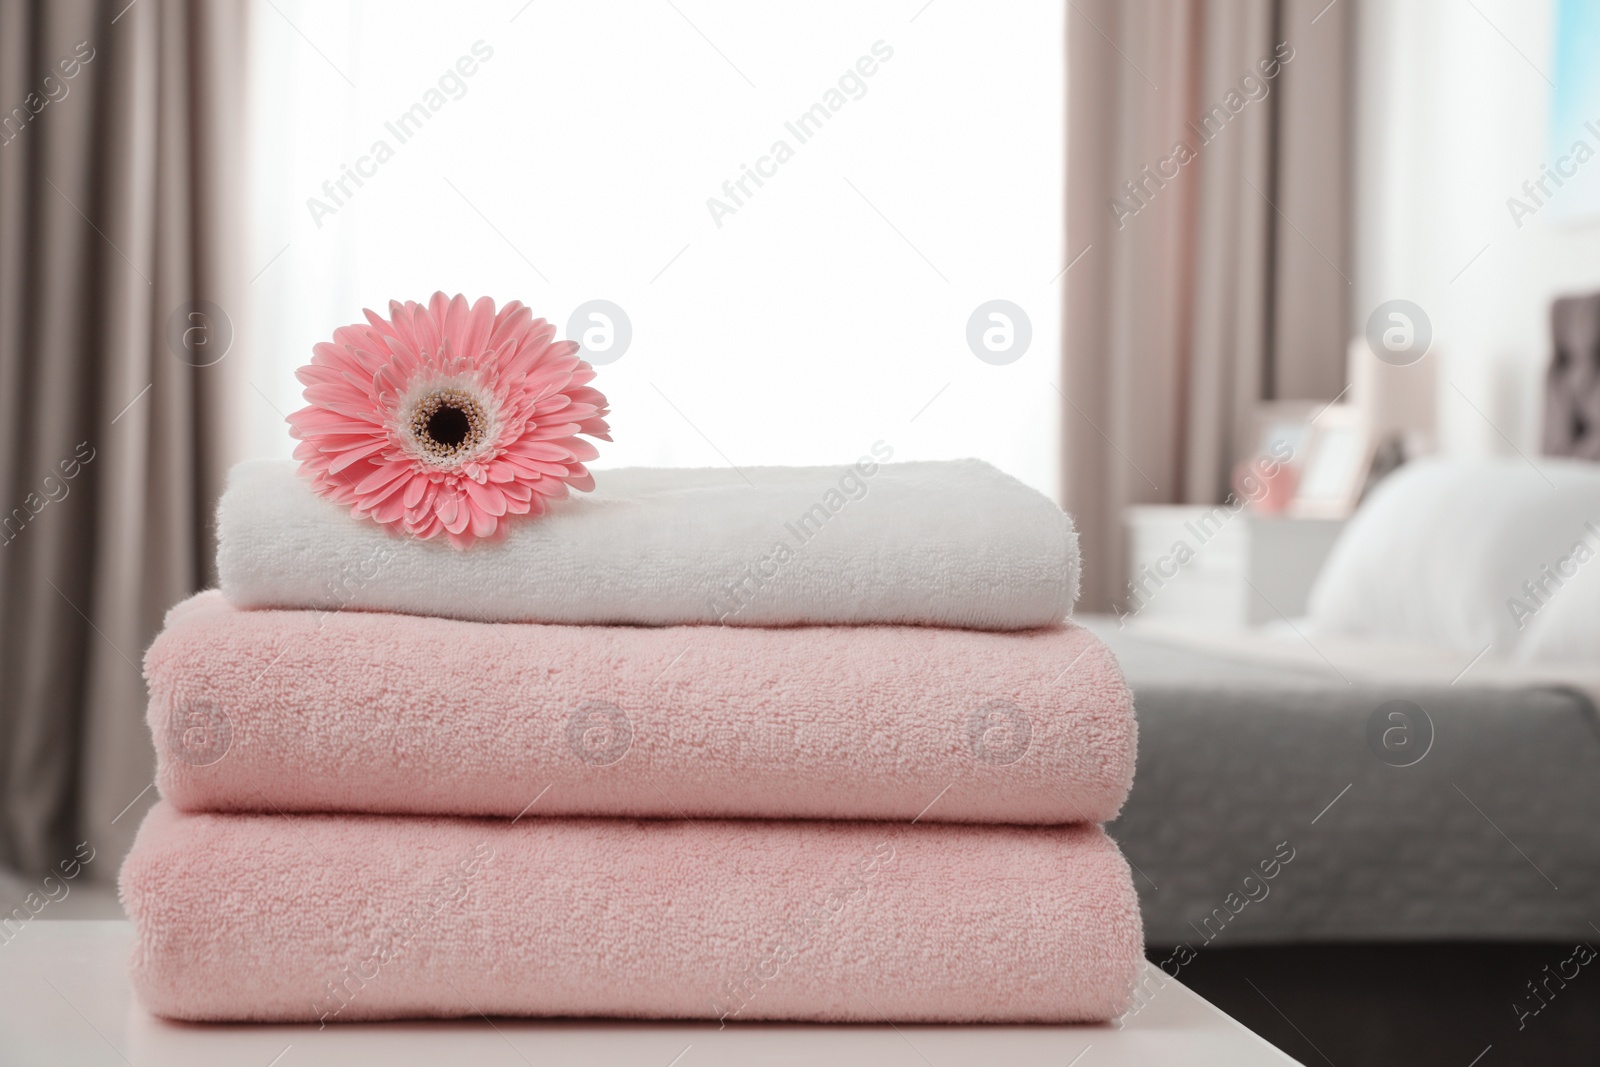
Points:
(788, 304)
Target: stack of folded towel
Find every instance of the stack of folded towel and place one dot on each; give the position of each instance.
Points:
(537, 777)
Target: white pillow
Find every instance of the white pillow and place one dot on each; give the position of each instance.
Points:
(1441, 551)
(1566, 629)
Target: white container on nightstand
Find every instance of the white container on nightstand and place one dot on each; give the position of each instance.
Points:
(1221, 567)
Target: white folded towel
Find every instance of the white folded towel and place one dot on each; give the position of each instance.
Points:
(953, 543)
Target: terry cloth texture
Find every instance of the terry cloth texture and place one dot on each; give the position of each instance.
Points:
(953, 543)
(371, 712)
(345, 917)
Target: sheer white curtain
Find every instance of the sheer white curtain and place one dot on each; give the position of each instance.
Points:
(560, 153)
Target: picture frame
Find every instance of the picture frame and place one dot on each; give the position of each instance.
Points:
(1333, 472)
(1284, 424)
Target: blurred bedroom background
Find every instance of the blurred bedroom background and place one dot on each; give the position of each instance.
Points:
(1208, 272)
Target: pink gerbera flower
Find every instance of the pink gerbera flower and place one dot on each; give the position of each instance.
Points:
(447, 419)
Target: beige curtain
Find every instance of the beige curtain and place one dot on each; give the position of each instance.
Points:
(1207, 194)
(120, 198)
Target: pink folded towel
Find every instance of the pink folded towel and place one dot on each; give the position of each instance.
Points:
(301, 711)
(345, 917)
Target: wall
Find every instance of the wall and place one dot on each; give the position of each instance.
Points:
(1452, 102)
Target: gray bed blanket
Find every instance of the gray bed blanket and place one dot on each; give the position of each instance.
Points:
(1278, 805)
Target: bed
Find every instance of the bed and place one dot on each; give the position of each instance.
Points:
(1372, 833)
(1424, 742)
(1253, 745)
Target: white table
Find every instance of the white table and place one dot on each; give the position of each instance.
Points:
(64, 998)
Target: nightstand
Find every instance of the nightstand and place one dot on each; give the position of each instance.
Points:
(1222, 567)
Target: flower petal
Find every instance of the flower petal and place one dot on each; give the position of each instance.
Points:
(483, 523)
(352, 455)
(487, 498)
(381, 477)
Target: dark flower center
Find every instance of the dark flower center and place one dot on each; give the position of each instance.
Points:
(448, 426)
